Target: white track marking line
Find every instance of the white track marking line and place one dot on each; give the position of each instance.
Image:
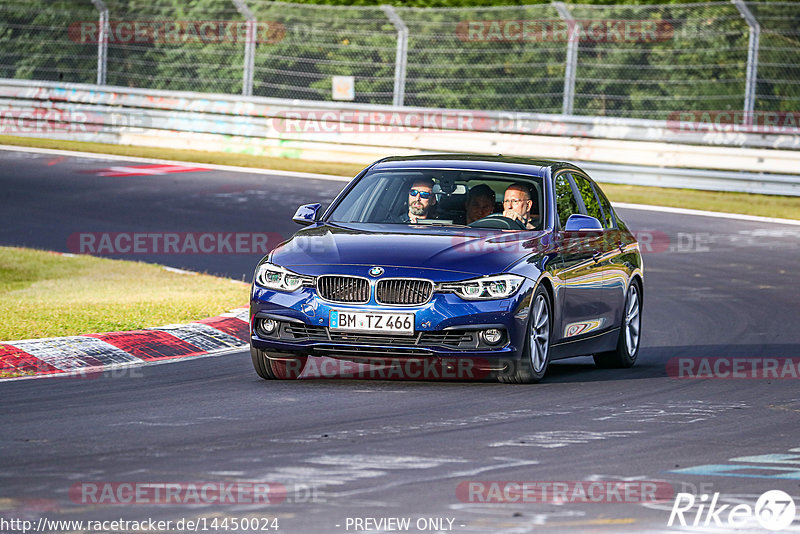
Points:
(701, 213)
(231, 168)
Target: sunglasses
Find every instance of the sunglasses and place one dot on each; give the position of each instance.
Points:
(422, 194)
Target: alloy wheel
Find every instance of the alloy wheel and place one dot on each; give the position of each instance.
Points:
(632, 320)
(540, 333)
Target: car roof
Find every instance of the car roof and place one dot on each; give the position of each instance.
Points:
(476, 162)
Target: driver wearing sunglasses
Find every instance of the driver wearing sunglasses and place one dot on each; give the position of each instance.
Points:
(421, 200)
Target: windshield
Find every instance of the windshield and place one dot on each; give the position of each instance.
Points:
(478, 199)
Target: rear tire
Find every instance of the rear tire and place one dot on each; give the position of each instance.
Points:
(624, 356)
(532, 365)
(276, 369)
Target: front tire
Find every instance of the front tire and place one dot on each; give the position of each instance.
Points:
(624, 356)
(276, 369)
(532, 365)
(261, 364)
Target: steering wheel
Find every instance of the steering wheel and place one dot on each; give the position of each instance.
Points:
(498, 220)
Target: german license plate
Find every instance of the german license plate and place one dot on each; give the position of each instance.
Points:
(395, 323)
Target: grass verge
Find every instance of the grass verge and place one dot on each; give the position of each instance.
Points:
(745, 203)
(43, 294)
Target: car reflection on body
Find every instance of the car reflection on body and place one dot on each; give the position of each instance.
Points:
(362, 284)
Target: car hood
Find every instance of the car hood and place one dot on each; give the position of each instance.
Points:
(468, 251)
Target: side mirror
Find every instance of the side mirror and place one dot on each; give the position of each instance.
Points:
(583, 223)
(306, 214)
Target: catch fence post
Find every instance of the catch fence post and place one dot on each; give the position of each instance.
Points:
(102, 41)
(249, 47)
(752, 59)
(573, 38)
(401, 56)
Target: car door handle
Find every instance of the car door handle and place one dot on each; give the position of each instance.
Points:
(621, 246)
(597, 255)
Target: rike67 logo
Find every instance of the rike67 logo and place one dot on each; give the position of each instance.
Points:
(774, 510)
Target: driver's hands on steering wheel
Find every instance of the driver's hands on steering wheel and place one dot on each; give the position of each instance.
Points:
(527, 223)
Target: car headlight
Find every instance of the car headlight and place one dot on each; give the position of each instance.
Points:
(276, 277)
(489, 287)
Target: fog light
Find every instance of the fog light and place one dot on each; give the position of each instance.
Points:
(492, 336)
(266, 327)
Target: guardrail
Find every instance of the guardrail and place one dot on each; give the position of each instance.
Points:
(630, 151)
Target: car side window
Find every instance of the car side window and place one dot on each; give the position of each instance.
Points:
(566, 204)
(589, 199)
(608, 213)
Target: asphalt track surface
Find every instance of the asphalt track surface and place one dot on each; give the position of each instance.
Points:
(378, 448)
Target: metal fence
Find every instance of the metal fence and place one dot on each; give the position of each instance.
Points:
(576, 59)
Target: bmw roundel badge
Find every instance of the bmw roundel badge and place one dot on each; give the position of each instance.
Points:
(376, 271)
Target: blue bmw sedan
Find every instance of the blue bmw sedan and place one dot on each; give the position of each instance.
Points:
(461, 266)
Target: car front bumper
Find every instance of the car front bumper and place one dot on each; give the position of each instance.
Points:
(446, 327)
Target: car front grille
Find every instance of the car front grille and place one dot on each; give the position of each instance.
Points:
(404, 292)
(346, 289)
